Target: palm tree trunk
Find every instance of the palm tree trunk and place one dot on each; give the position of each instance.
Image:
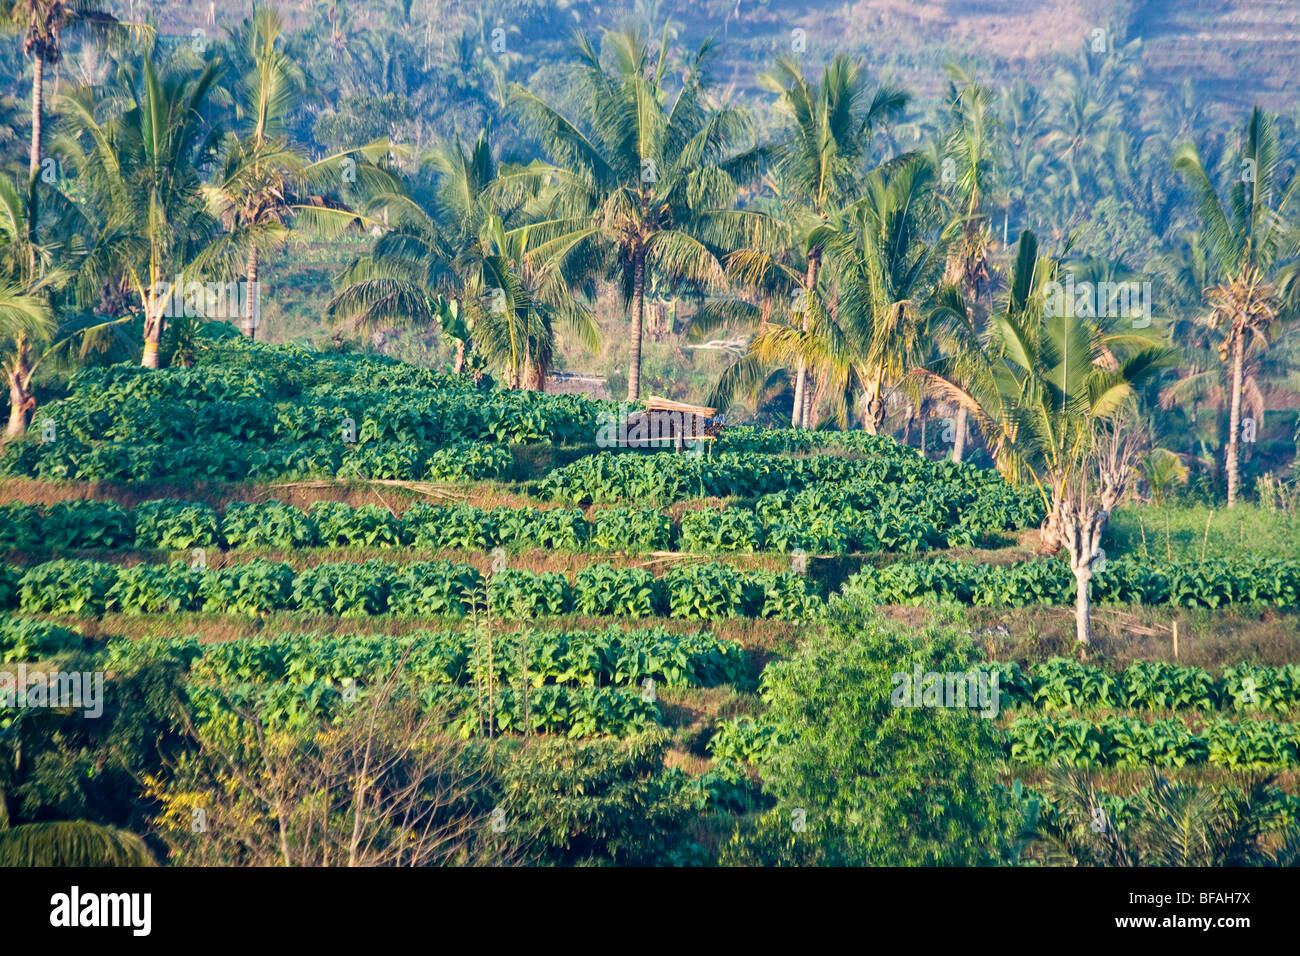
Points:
(638, 317)
(959, 440)
(38, 75)
(796, 410)
(1234, 416)
(459, 365)
(801, 414)
(19, 396)
(250, 299)
(153, 329)
(873, 417)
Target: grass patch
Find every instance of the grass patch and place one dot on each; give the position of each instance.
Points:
(1183, 532)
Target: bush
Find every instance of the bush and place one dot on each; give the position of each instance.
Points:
(515, 593)
(269, 525)
(470, 461)
(726, 529)
(252, 588)
(369, 526)
(87, 524)
(595, 802)
(878, 784)
(604, 591)
(345, 590)
(435, 588)
(176, 525)
(155, 588)
(631, 529)
(67, 587)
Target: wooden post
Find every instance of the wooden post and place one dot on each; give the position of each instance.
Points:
(1175, 639)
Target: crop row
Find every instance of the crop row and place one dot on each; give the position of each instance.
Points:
(24, 639)
(611, 657)
(219, 458)
(1129, 741)
(1061, 684)
(261, 402)
(668, 477)
(1210, 583)
(777, 524)
(1114, 741)
(434, 588)
(577, 683)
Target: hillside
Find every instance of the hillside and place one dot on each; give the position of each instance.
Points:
(1233, 51)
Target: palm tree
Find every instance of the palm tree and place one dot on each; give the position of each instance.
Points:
(820, 160)
(1170, 824)
(1051, 387)
(265, 188)
(44, 23)
(885, 260)
(643, 186)
(26, 317)
(68, 843)
(142, 169)
(972, 148)
(464, 265)
(1023, 118)
(1037, 372)
(1249, 238)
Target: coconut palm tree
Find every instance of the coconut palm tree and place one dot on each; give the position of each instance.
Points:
(141, 167)
(267, 188)
(1052, 388)
(464, 265)
(1039, 370)
(820, 158)
(44, 24)
(68, 843)
(817, 168)
(885, 261)
(643, 184)
(27, 319)
(971, 153)
(1251, 237)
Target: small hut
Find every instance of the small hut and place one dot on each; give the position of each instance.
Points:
(667, 421)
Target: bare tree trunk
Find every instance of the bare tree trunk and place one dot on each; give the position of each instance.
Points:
(959, 441)
(38, 76)
(1083, 509)
(459, 365)
(1234, 415)
(1083, 604)
(251, 310)
(638, 317)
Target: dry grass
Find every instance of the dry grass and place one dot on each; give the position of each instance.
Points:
(1209, 639)
(396, 496)
(536, 560)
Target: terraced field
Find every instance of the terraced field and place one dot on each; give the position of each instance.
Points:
(297, 533)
